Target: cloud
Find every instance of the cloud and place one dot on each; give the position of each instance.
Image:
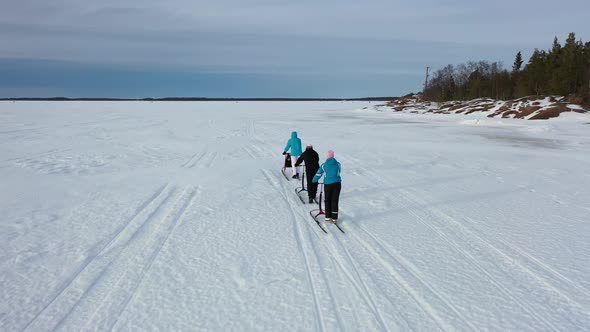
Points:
(307, 39)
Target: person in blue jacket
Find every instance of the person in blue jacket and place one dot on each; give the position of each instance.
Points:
(332, 185)
(294, 144)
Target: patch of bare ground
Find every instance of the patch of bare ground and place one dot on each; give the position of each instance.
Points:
(551, 112)
(500, 111)
(456, 107)
(573, 99)
(529, 107)
(526, 111)
(509, 113)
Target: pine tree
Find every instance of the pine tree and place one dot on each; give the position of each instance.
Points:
(558, 71)
(552, 68)
(533, 79)
(516, 74)
(586, 73)
(517, 63)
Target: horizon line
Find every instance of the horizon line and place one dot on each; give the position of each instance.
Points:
(196, 99)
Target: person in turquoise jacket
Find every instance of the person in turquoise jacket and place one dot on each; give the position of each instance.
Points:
(294, 144)
(332, 185)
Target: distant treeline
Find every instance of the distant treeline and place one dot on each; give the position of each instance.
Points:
(562, 70)
(203, 99)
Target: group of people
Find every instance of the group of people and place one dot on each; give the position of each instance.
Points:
(330, 169)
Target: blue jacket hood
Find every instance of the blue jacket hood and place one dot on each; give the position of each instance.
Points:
(294, 144)
(331, 169)
(331, 161)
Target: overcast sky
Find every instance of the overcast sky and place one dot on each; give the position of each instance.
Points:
(262, 48)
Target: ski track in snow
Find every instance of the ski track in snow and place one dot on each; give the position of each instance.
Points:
(306, 259)
(428, 215)
(512, 256)
(106, 283)
(201, 160)
(436, 236)
(360, 285)
(301, 219)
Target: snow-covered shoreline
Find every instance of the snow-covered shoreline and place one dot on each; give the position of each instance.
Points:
(528, 108)
(174, 216)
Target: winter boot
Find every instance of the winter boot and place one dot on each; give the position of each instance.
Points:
(329, 220)
(311, 201)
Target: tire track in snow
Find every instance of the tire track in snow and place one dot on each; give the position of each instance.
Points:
(360, 286)
(250, 152)
(38, 129)
(194, 160)
(212, 159)
(299, 237)
(559, 287)
(203, 159)
(413, 276)
(107, 283)
(493, 250)
(573, 306)
(104, 303)
(154, 201)
(31, 157)
(583, 312)
(186, 200)
(250, 129)
(543, 266)
(474, 263)
(409, 277)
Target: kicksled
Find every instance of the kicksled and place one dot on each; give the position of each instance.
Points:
(286, 164)
(315, 214)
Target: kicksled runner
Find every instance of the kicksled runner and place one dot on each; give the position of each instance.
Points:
(315, 214)
(286, 164)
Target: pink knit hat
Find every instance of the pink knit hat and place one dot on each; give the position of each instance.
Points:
(330, 154)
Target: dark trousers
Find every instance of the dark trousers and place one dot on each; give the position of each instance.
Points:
(312, 188)
(332, 197)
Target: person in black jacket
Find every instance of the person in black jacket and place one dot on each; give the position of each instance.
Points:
(312, 164)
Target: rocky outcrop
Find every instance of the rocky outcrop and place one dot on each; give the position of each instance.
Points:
(529, 108)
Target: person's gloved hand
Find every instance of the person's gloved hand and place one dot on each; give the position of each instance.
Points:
(284, 153)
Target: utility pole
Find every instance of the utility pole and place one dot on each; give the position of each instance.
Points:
(425, 83)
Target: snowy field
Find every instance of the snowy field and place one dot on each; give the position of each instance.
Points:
(174, 216)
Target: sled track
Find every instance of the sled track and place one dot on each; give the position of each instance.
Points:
(474, 262)
(553, 281)
(306, 260)
(36, 155)
(194, 160)
(494, 251)
(406, 274)
(524, 256)
(203, 159)
(69, 125)
(360, 286)
(101, 289)
(321, 236)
